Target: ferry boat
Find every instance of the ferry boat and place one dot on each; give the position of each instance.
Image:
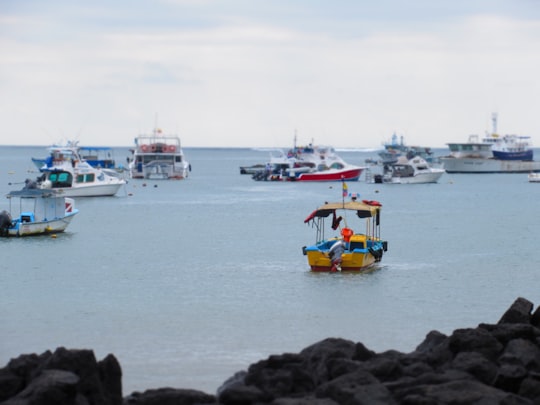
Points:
(158, 157)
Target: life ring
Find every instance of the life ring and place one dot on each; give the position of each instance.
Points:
(372, 202)
(144, 148)
(153, 147)
(171, 148)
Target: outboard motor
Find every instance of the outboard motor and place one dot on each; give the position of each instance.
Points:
(335, 253)
(5, 222)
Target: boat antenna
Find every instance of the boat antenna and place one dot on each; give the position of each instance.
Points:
(494, 122)
(294, 143)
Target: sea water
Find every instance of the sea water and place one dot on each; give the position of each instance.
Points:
(187, 282)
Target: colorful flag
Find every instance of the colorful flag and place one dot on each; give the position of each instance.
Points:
(345, 189)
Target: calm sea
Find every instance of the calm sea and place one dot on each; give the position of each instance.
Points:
(188, 282)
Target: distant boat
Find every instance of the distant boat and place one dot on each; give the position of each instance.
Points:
(158, 157)
(68, 173)
(508, 147)
(492, 154)
(36, 212)
(393, 150)
(308, 163)
(412, 171)
(96, 156)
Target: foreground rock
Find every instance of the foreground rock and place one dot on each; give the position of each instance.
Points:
(489, 364)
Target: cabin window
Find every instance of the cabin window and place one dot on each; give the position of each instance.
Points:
(86, 178)
(62, 179)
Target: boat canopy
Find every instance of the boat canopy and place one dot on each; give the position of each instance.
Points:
(364, 209)
(32, 193)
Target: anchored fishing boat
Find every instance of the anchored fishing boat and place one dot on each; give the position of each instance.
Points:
(345, 249)
(36, 212)
(158, 157)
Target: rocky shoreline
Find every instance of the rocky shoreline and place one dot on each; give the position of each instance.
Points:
(490, 364)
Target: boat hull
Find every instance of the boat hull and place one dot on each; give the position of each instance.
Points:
(357, 259)
(521, 155)
(479, 165)
(354, 261)
(42, 228)
(98, 190)
(330, 175)
(421, 178)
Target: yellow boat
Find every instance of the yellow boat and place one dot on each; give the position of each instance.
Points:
(347, 249)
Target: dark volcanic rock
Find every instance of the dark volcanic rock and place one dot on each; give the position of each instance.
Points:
(489, 364)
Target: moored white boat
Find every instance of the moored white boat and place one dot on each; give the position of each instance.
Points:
(68, 173)
(534, 177)
(412, 171)
(158, 157)
(36, 212)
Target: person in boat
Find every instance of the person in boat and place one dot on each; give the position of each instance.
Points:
(335, 253)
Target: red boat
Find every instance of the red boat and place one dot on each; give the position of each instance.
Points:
(308, 163)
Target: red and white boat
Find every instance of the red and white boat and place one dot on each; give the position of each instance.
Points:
(308, 163)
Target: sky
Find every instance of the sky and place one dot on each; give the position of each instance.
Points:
(253, 73)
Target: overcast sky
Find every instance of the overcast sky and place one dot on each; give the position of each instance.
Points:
(249, 73)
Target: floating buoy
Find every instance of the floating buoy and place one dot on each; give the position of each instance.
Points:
(53, 236)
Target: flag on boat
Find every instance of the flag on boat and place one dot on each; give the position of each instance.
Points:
(69, 206)
(345, 189)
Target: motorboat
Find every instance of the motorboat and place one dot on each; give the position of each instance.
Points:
(36, 212)
(158, 157)
(307, 163)
(345, 249)
(534, 177)
(395, 149)
(412, 171)
(96, 156)
(68, 173)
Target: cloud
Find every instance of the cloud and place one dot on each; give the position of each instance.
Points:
(231, 78)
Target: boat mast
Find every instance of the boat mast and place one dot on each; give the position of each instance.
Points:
(494, 123)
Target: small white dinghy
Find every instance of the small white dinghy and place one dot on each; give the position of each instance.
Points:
(36, 212)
